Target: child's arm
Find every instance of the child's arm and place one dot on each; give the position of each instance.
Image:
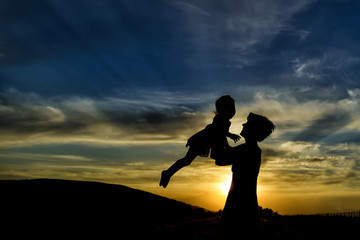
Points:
(233, 136)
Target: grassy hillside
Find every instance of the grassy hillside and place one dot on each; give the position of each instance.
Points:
(87, 209)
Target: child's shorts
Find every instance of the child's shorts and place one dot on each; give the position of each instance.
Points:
(200, 143)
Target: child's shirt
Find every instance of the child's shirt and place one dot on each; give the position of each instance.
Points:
(204, 139)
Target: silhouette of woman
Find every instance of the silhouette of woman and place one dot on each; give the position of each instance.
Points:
(240, 217)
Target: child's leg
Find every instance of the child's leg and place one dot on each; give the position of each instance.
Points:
(183, 162)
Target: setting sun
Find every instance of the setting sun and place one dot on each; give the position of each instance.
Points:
(224, 186)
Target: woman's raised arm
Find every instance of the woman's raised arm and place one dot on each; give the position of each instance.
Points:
(222, 156)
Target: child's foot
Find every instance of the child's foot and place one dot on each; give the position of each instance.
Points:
(165, 178)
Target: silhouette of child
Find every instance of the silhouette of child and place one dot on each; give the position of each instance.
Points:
(240, 217)
(201, 142)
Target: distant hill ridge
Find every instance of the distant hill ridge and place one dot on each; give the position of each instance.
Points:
(69, 206)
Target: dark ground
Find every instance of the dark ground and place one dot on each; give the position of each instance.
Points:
(46, 208)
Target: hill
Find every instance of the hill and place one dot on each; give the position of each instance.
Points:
(87, 209)
(49, 208)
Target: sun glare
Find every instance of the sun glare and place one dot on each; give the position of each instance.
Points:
(224, 186)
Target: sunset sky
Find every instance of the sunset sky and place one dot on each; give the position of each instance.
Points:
(111, 90)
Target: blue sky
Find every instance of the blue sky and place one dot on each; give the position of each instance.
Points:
(110, 91)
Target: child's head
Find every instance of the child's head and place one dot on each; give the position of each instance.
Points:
(225, 105)
(257, 127)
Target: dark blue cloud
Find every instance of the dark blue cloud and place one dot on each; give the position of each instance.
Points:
(98, 47)
(90, 46)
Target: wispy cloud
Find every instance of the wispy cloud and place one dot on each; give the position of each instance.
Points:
(170, 118)
(149, 117)
(191, 8)
(256, 22)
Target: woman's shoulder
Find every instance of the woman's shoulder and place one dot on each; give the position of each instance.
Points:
(240, 148)
(248, 148)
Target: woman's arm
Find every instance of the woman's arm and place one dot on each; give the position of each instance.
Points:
(222, 156)
(223, 162)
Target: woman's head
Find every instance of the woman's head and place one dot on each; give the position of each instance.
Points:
(225, 105)
(257, 127)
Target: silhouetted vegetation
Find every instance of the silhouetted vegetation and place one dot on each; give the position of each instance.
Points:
(268, 213)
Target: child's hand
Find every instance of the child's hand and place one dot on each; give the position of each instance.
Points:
(235, 137)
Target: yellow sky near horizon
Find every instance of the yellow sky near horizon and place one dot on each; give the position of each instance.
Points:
(204, 184)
